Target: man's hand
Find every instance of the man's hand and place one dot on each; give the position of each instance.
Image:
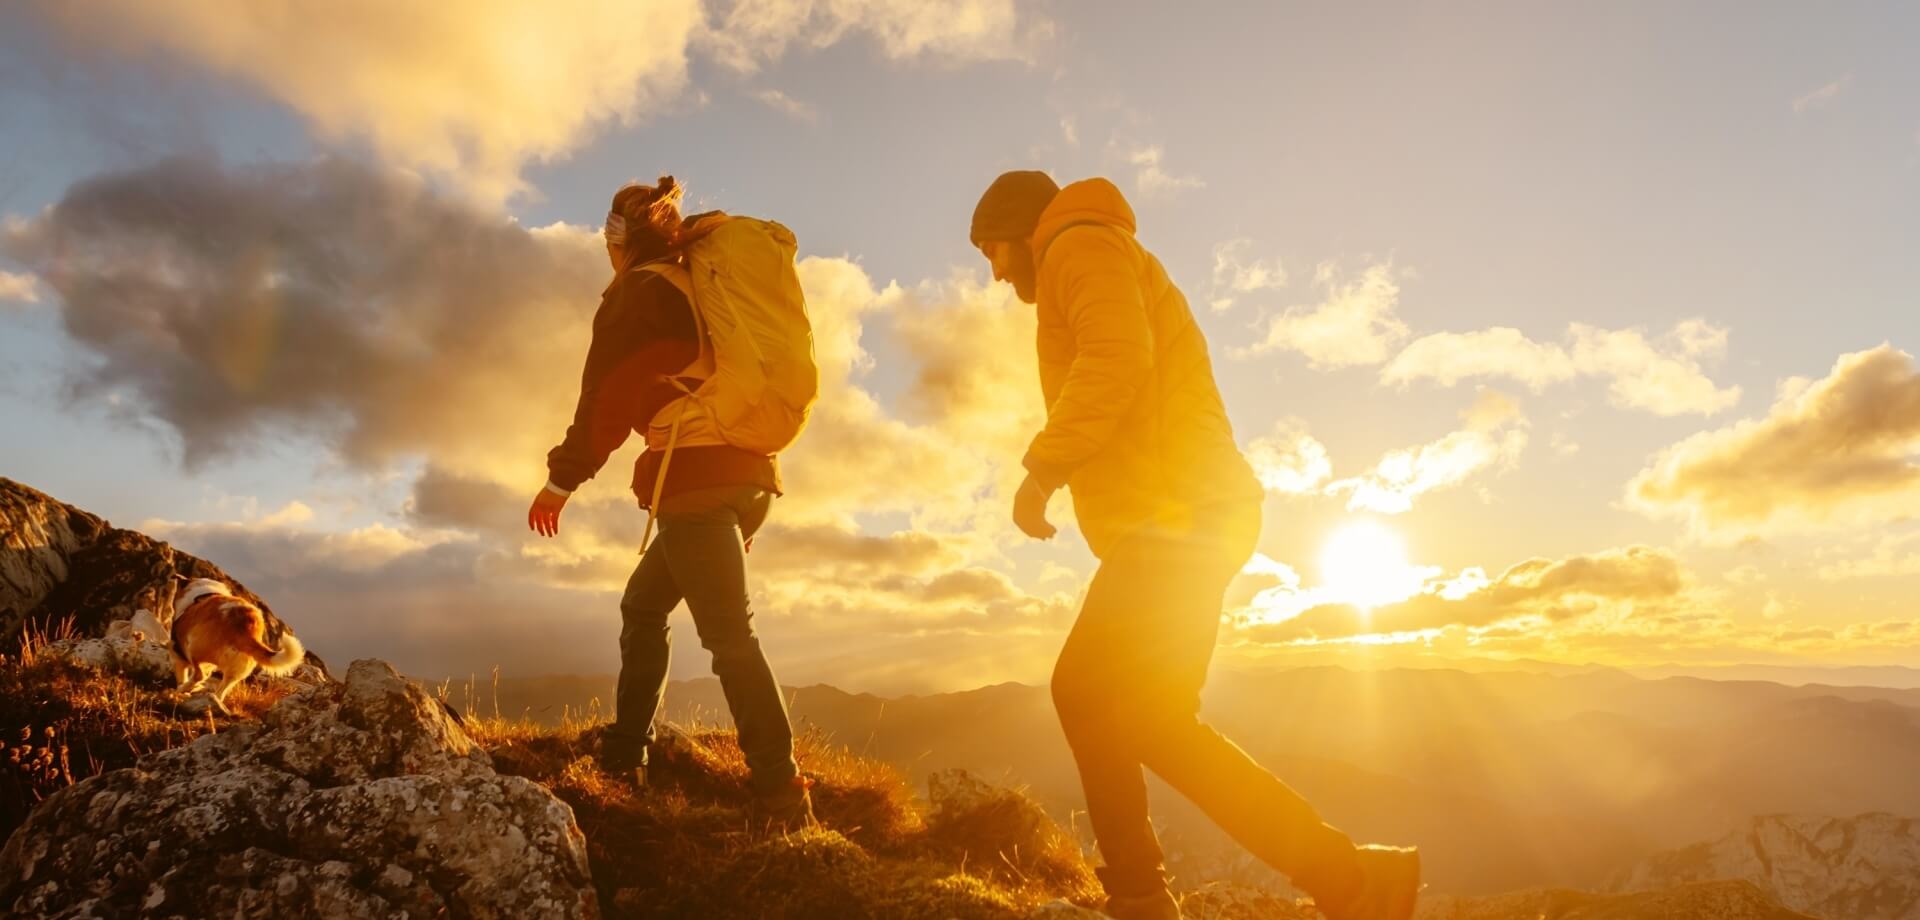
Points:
(544, 517)
(1030, 510)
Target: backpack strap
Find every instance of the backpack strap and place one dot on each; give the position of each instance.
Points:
(679, 277)
(666, 459)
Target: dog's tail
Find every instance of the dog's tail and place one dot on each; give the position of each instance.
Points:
(282, 660)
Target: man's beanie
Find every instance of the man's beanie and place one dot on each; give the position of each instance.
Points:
(1011, 207)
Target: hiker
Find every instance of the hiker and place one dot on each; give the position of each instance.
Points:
(646, 369)
(1137, 431)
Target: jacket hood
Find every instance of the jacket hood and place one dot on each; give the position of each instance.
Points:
(1086, 201)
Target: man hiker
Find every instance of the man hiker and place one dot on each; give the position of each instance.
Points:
(648, 352)
(1137, 431)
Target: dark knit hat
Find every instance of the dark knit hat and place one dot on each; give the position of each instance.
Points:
(1011, 207)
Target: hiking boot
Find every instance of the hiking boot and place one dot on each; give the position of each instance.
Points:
(1145, 898)
(1389, 885)
(1157, 906)
(788, 806)
(624, 766)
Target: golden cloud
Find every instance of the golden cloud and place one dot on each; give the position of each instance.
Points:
(1354, 325)
(1495, 434)
(1289, 461)
(1663, 376)
(1635, 580)
(474, 91)
(1839, 452)
(18, 287)
(1236, 272)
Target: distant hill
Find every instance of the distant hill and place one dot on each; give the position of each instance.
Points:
(1860, 868)
(1794, 675)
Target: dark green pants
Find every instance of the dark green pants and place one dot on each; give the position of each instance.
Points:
(699, 556)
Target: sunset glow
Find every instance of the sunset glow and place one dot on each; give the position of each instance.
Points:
(1365, 564)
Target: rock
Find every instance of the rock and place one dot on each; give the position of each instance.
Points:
(37, 535)
(354, 799)
(1863, 868)
(123, 654)
(61, 565)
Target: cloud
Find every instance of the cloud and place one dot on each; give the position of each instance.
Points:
(1289, 461)
(324, 298)
(1664, 379)
(1500, 352)
(474, 91)
(1893, 554)
(787, 105)
(1495, 434)
(1663, 376)
(1635, 580)
(1234, 273)
(1839, 452)
(1355, 325)
(18, 287)
(1818, 98)
(1151, 179)
(283, 543)
(752, 32)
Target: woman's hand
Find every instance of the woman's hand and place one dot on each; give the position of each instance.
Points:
(544, 517)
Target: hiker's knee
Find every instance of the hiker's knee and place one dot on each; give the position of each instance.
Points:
(1082, 697)
(731, 642)
(642, 633)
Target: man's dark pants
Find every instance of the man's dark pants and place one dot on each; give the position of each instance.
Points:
(1127, 689)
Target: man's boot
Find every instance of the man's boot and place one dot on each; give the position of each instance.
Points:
(1140, 902)
(1389, 886)
(788, 806)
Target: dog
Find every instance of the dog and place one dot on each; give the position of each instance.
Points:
(212, 627)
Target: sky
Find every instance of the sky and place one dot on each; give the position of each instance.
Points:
(1579, 333)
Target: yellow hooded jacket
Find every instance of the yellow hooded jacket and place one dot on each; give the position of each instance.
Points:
(1135, 425)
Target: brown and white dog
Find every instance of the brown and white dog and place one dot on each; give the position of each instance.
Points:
(212, 627)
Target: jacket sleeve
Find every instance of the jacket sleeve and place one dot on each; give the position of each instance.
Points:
(1113, 352)
(643, 331)
(592, 438)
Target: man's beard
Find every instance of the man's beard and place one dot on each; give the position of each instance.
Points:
(1023, 276)
(1023, 286)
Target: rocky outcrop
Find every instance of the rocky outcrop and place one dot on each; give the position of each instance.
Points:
(349, 800)
(1861, 868)
(58, 562)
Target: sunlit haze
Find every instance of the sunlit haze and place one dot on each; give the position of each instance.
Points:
(1557, 334)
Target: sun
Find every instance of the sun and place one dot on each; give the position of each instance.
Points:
(1365, 564)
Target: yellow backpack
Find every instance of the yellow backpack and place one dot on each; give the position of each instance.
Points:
(755, 381)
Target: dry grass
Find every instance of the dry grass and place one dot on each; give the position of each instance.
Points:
(689, 844)
(61, 723)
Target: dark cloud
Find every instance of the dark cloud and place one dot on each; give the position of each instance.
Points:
(327, 298)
